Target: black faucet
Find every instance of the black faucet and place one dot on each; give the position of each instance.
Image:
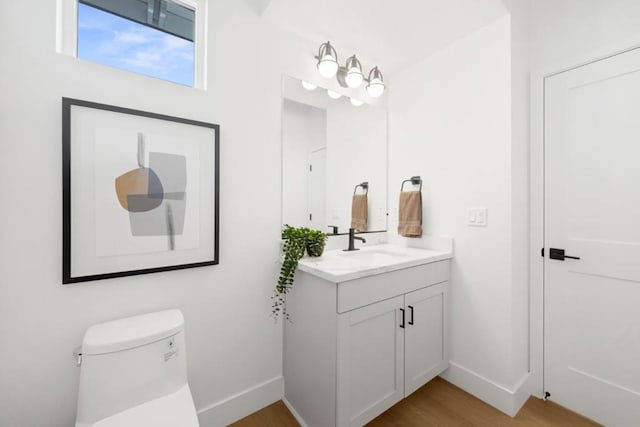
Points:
(334, 229)
(353, 237)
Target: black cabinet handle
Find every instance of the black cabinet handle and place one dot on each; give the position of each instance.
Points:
(411, 314)
(402, 324)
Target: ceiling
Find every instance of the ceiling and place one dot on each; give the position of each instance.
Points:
(391, 34)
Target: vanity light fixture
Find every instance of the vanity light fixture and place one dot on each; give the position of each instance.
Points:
(308, 86)
(327, 60)
(333, 95)
(351, 75)
(356, 102)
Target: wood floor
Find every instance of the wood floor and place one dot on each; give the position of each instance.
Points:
(441, 404)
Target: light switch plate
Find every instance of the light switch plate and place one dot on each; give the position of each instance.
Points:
(477, 217)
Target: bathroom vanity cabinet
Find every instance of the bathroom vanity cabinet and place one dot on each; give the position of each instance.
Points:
(354, 348)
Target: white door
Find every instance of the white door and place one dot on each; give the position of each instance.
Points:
(318, 190)
(370, 361)
(592, 211)
(425, 349)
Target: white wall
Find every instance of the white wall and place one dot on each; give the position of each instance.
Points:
(233, 344)
(564, 32)
(519, 15)
(451, 123)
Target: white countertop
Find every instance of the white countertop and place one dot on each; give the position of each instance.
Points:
(340, 266)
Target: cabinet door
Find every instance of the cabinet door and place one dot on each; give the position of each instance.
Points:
(370, 361)
(425, 339)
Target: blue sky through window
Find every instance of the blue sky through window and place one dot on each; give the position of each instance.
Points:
(108, 39)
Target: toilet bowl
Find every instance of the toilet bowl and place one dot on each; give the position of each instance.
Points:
(133, 373)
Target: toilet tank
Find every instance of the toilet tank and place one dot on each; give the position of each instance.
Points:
(128, 362)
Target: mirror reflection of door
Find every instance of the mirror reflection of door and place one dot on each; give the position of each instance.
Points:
(303, 133)
(317, 189)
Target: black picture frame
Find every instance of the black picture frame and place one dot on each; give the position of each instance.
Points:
(69, 106)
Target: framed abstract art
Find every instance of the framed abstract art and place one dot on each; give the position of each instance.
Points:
(140, 192)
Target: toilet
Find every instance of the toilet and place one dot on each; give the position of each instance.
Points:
(133, 372)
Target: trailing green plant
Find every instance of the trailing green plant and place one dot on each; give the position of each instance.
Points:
(294, 245)
(316, 240)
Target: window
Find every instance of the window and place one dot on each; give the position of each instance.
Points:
(152, 37)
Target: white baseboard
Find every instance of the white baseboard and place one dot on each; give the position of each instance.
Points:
(248, 401)
(295, 413)
(500, 397)
(240, 405)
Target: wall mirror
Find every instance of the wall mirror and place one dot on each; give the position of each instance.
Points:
(329, 147)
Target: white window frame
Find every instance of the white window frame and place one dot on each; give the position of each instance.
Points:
(67, 34)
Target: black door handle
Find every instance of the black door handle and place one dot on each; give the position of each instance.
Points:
(402, 324)
(411, 313)
(559, 254)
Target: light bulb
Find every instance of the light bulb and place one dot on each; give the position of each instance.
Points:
(375, 88)
(333, 95)
(327, 60)
(327, 67)
(308, 86)
(354, 76)
(356, 102)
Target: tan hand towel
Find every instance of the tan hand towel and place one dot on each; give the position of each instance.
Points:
(410, 214)
(359, 211)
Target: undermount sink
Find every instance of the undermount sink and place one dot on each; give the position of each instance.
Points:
(373, 254)
(339, 265)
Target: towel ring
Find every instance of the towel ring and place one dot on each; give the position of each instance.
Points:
(415, 180)
(364, 185)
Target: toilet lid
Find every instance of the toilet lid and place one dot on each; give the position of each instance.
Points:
(174, 410)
